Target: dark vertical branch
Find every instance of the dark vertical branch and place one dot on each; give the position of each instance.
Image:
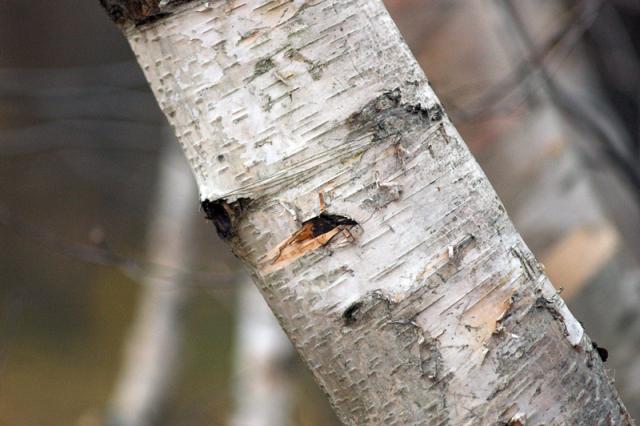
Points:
(613, 44)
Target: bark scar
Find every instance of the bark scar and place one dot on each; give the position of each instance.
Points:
(225, 215)
(313, 234)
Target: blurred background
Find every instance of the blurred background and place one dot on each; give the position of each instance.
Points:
(118, 304)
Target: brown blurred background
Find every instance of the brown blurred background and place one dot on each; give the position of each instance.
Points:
(545, 92)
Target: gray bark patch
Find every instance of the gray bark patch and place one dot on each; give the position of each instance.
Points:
(374, 322)
(381, 196)
(387, 115)
(262, 66)
(519, 346)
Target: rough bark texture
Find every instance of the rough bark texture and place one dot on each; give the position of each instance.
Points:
(326, 161)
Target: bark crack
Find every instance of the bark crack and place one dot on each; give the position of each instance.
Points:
(313, 233)
(225, 215)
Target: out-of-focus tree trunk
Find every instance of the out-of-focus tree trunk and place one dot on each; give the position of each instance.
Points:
(327, 163)
(154, 343)
(151, 361)
(263, 355)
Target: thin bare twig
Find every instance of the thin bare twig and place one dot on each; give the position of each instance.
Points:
(102, 255)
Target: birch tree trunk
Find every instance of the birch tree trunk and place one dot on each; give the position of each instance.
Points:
(326, 162)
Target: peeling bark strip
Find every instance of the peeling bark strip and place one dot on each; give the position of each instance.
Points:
(431, 310)
(314, 233)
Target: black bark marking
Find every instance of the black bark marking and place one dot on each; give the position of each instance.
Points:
(326, 222)
(139, 12)
(225, 216)
(350, 315)
(434, 113)
(387, 115)
(363, 308)
(602, 352)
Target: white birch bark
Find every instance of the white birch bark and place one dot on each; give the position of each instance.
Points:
(154, 343)
(325, 160)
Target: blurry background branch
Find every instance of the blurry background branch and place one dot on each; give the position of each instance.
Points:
(154, 345)
(263, 359)
(97, 252)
